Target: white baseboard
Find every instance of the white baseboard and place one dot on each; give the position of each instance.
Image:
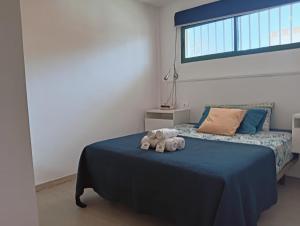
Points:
(56, 182)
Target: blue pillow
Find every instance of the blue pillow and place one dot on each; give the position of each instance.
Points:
(252, 122)
(261, 124)
(204, 116)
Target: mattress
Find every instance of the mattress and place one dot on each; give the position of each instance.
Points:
(279, 142)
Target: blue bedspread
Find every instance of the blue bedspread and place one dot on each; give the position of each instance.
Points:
(210, 183)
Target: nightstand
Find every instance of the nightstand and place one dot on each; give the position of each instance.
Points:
(157, 119)
(296, 134)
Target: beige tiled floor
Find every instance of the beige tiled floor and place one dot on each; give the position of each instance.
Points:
(56, 206)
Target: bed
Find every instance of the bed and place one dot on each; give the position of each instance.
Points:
(215, 181)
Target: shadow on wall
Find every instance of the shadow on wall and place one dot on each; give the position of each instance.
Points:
(69, 138)
(78, 26)
(90, 76)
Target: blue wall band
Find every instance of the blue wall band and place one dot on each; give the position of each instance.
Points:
(224, 8)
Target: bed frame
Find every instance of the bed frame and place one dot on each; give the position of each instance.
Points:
(281, 177)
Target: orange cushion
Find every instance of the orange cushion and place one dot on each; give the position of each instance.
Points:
(222, 121)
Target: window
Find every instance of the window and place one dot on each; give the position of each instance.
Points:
(266, 30)
(211, 38)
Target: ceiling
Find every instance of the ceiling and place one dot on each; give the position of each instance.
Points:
(158, 2)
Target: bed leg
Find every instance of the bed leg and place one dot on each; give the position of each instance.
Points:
(282, 180)
(79, 203)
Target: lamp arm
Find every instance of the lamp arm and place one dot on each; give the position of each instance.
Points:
(173, 94)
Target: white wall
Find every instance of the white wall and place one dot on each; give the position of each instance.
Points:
(17, 194)
(197, 88)
(205, 82)
(91, 71)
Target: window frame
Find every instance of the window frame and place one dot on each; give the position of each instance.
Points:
(235, 52)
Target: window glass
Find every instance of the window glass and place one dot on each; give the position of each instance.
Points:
(296, 22)
(285, 24)
(211, 38)
(229, 35)
(274, 27)
(264, 29)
